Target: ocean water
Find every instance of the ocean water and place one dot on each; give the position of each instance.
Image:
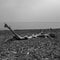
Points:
(30, 25)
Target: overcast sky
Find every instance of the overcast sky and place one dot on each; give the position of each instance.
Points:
(12, 11)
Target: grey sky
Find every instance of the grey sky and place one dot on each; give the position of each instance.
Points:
(29, 11)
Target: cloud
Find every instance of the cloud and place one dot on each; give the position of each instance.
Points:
(29, 10)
